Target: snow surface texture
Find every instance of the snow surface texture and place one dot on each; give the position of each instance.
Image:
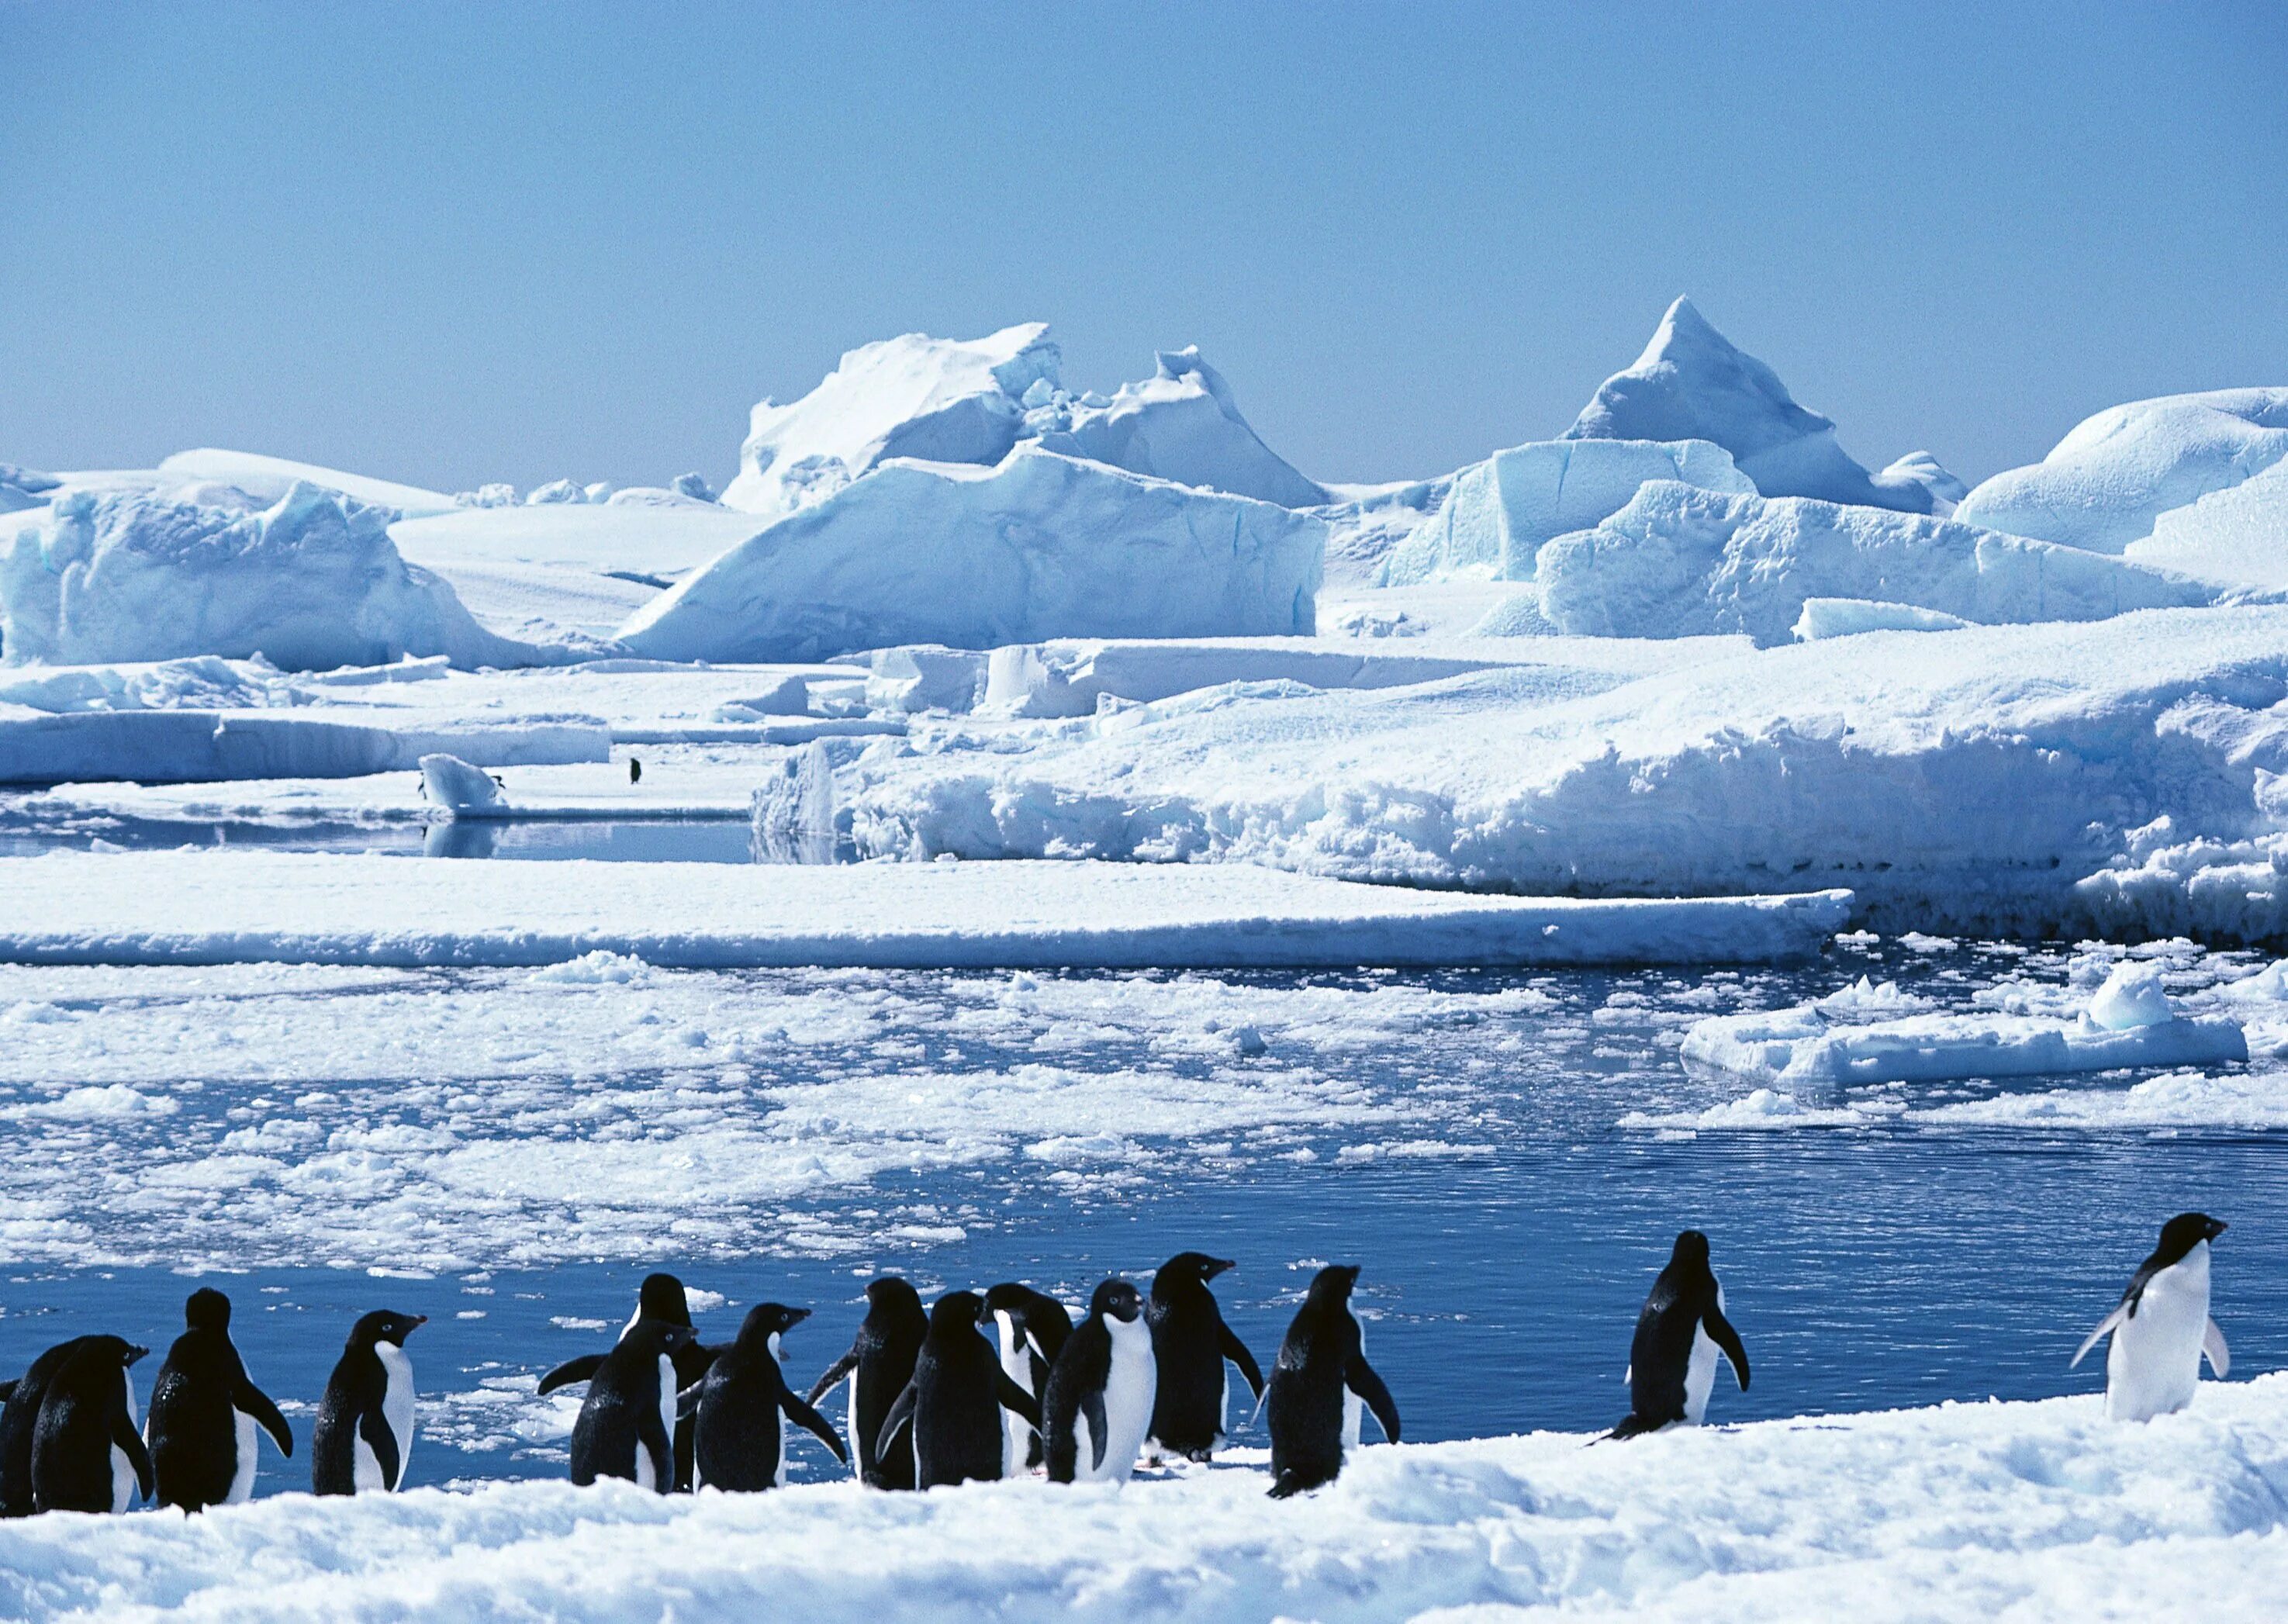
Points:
(1680, 561)
(2040, 1511)
(205, 907)
(309, 581)
(1074, 678)
(266, 478)
(2107, 482)
(1040, 546)
(2238, 534)
(1691, 383)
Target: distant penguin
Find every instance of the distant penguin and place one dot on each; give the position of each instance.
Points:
(1679, 1331)
(741, 1406)
(635, 771)
(954, 1401)
(626, 1427)
(1190, 1343)
(1033, 1327)
(204, 1410)
(19, 1416)
(879, 1364)
(1320, 1376)
(86, 1452)
(364, 1432)
(2161, 1327)
(661, 1298)
(1098, 1404)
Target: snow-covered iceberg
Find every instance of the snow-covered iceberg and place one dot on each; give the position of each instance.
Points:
(1680, 561)
(1040, 546)
(266, 478)
(2107, 483)
(1692, 383)
(1181, 423)
(309, 581)
(2238, 534)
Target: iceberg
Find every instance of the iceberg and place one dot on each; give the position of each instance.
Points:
(266, 478)
(1802, 1048)
(1041, 546)
(2237, 536)
(1691, 383)
(1181, 423)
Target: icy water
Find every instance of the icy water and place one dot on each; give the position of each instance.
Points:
(1469, 1157)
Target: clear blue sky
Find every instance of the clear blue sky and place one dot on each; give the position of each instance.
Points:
(455, 242)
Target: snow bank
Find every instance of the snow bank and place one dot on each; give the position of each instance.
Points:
(266, 478)
(2038, 1510)
(1041, 546)
(310, 581)
(1069, 678)
(1680, 561)
(1802, 1046)
(1502, 509)
(1181, 423)
(2105, 483)
(1691, 383)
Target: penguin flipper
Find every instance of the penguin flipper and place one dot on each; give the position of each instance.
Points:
(834, 1372)
(803, 1415)
(571, 1371)
(687, 1402)
(1720, 1333)
(1236, 1350)
(2095, 1337)
(130, 1442)
(1092, 1406)
(1016, 1397)
(373, 1427)
(251, 1400)
(2212, 1345)
(1361, 1380)
(900, 1413)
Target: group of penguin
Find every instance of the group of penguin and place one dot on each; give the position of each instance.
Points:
(932, 1401)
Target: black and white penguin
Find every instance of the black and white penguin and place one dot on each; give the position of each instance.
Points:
(1098, 1404)
(19, 1416)
(1679, 1331)
(364, 1432)
(204, 1410)
(1190, 1343)
(1033, 1327)
(1317, 1382)
(955, 1398)
(879, 1364)
(626, 1427)
(86, 1452)
(660, 1297)
(2161, 1327)
(741, 1406)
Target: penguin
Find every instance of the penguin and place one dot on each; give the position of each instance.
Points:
(626, 1427)
(204, 1410)
(20, 1417)
(86, 1452)
(742, 1404)
(661, 1298)
(1190, 1343)
(2161, 1327)
(879, 1364)
(955, 1399)
(1320, 1370)
(364, 1432)
(635, 771)
(1679, 1331)
(1100, 1393)
(1033, 1327)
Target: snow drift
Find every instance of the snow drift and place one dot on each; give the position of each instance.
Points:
(266, 478)
(1041, 546)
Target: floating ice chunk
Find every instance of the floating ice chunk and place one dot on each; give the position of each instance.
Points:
(1845, 617)
(454, 785)
(1800, 1046)
(601, 968)
(2132, 997)
(789, 696)
(556, 491)
(1864, 1000)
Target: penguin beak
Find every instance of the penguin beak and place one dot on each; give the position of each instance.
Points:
(796, 1316)
(134, 1352)
(2217, 1226)
(1215, 1266)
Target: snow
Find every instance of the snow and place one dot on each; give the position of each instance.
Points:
(461, 788)
(1848, 617)
(2237, 536)
(2132, 997)
(203, 906)
(2107, 483)
(1679, 560)
(2011, 1510)
(1691, 383)
(1073, 677)
(1039, 546)
(266, 478)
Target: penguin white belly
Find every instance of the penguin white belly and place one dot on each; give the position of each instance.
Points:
(1129, 1386)
(2154, 1362)
(647, 1476)
(124, 1484)
(1353, 1407)
(1699, 1375)
(241, 1478)
(852, 1418)
(1017, 1364)
(396, 1409)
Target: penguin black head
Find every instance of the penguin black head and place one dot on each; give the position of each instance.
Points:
(207, 1310)
(384, 1325)
(1118, 1299)
(661, 1298)
(765, 1320)
(957, 1311)
(892, 1292)
(1190, 1266)
(1009, 1297)
(1691, 1247)
(664, 1334)
(1333, 1283)
(2181, 1234)
(110, 1348)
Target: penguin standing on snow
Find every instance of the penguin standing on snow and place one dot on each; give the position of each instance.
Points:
(204, 1411)
(955, 1400)
(364, 1433)
(86, 1454)
(1317, 1384)
(1679, 1331)
(626, 1427)
(660, 1297)
(20, 1417)
(879, 1364)
(2161, 1327)
(1190, 1343)
(1098, 1404)
(1033, 1327)
(742, 1404)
